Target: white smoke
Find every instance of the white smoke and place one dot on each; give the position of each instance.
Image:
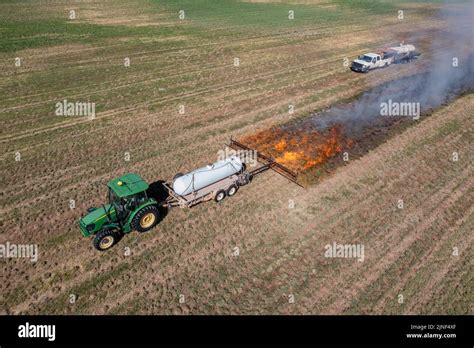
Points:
(450, 72)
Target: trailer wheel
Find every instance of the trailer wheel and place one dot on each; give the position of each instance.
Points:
(220, 195)
(232, 190)
(105, 239)
(145, 219)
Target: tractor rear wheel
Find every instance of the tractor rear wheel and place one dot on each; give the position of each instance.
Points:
(146, 219)
(105, 239)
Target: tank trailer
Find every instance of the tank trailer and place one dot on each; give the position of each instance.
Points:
(130, 207)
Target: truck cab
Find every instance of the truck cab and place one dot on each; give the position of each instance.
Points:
(370, 61)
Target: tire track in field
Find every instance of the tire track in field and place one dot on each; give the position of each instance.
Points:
(417, 305)
(182, 96)
(342, 304)
(174, 273)
(68, 244)
(341, 218)
(203, 129)
(256, 38)
(167, 243)
(454, 194)
(134, 120)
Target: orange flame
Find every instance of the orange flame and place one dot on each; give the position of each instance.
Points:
(281, 145)
(289, 156)
(299, 150)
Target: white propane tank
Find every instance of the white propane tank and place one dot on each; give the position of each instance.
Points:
(402, 49)
(205, 176)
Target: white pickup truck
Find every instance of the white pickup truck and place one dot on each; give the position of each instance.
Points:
(397, 54)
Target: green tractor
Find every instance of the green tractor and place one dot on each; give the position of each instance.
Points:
(129, 208)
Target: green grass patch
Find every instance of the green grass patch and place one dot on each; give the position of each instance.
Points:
(20, 34)
(246, 14)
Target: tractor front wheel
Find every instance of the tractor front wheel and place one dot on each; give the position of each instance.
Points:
(105, 239)
(146, 219)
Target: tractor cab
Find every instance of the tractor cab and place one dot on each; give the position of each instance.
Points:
(127, 193)
(128, 208)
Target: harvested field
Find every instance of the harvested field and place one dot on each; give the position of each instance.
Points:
(171, 110)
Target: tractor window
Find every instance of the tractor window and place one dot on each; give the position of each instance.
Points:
(137, 198)
(132, 202)
(113, 197)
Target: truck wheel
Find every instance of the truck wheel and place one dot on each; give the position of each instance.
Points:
(232, 190)
(105, 239)
(145, 219)
(220, 195)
